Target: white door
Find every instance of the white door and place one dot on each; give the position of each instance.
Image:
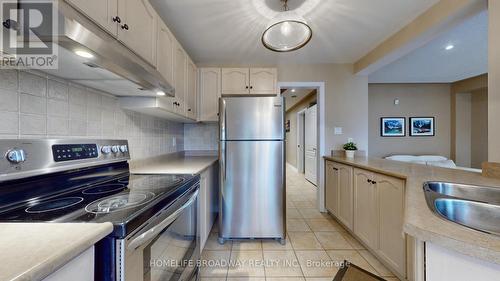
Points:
(300, 140)
(311, 142)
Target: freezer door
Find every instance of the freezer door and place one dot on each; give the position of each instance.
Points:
(252, 118)
(252, 193)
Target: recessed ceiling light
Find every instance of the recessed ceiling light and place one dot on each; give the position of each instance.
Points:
(160, 93)
(293, 90)
(84, 54)
(449, 47)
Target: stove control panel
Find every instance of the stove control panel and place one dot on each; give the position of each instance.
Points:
(67, 152)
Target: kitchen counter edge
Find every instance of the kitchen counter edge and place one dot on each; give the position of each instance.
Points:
(37, 250)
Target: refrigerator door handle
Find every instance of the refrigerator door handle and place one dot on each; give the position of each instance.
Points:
(222, 119)
(223, 160)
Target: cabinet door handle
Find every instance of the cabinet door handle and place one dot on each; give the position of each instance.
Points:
(335, 169)
(189, 109)
(125, 26)
(374, 182)
(117, 19)
(369, 181)
(246, 87)
(251, 87)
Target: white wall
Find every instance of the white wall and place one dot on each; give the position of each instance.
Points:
(34, 105)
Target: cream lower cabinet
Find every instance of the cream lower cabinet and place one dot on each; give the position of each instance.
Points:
(392, 242)
(339, 192)
(208, 202)
(378, 216)
(365, 208)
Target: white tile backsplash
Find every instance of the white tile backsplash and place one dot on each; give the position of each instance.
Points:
(33, 84)
(201, 136)
(35, 105)
(58, 90)
(9, 100)
(9, 80)
(9, 123)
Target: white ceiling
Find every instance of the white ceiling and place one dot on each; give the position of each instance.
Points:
(229, 31)
(433, 64)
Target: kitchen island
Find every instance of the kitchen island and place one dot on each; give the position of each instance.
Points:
(418, 221)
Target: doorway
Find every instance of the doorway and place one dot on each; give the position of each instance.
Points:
(319, 87)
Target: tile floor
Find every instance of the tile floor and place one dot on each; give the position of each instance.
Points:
(316, 244)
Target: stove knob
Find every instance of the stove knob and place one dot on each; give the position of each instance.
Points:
(115, 148)
(106, 149)
(123, 148)
(16, 156)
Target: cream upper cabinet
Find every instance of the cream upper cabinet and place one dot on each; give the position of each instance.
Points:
(138, 28)
(365, 208)
(332, 188)
(165, 52)
(180, 73)
(209, 94)
(255, 81)
(191, 93)
(235, 81)
(392, 243)
(263, 81)
(102, 12)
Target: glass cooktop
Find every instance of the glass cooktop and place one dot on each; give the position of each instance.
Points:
(123, 201)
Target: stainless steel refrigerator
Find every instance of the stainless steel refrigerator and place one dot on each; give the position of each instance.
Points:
(252, 168)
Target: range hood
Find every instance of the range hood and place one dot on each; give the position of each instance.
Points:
(114, 68)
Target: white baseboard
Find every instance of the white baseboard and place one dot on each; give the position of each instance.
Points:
(290, 166)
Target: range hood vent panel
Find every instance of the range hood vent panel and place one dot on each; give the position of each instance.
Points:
(111, 61)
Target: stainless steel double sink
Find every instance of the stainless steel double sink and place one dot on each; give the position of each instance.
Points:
(476, 207)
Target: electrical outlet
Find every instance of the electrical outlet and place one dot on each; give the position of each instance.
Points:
(338, 130)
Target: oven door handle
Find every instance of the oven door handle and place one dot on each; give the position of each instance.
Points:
(154, 231)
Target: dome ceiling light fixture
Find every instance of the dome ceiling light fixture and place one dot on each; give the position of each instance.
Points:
(287, 31)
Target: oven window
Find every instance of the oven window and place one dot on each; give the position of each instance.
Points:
(172, 255)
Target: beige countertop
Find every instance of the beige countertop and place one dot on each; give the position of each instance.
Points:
(32, 251)
(420, 221)
(174, 164)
